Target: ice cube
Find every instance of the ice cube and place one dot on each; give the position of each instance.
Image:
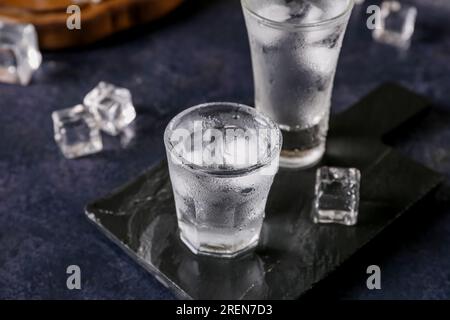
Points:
(275, 12)
(323, 10)
(127, 136)
(19, 53)
(320, 60)
(111, 106)
(241, 148)
(233, 148)
(397, 24)
(313, 14)
(76, 132)
(304, 12)
(334, 8)
(336, 195)
(266, 35)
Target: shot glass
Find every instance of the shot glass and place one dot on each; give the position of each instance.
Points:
(295, 46)
(222, 160)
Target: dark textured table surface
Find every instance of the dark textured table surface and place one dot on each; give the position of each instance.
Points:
(198, 54)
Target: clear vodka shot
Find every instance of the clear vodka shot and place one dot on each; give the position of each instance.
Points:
(222, 160)
(295, 46)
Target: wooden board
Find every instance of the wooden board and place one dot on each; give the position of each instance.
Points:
(98, 20)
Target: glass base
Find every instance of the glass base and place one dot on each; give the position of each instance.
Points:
(301, 158)
(216, 253)
(336, 216)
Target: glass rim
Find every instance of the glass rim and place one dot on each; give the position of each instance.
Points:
(267, 160)
(286, 25)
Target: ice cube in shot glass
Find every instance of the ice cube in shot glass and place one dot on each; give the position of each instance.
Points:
(336, 195)
(397, 23)
(76, 132)
(19, 52)
(111, 106)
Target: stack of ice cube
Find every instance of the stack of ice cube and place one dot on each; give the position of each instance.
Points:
(105, 108)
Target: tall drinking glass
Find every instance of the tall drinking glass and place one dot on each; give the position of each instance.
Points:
(222, 160)
(295, 46)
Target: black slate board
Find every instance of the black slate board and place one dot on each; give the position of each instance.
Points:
(293, 253)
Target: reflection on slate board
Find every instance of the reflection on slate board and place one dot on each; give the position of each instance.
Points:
(293, 253)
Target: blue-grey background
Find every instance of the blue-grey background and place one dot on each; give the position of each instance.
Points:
(197, 54)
